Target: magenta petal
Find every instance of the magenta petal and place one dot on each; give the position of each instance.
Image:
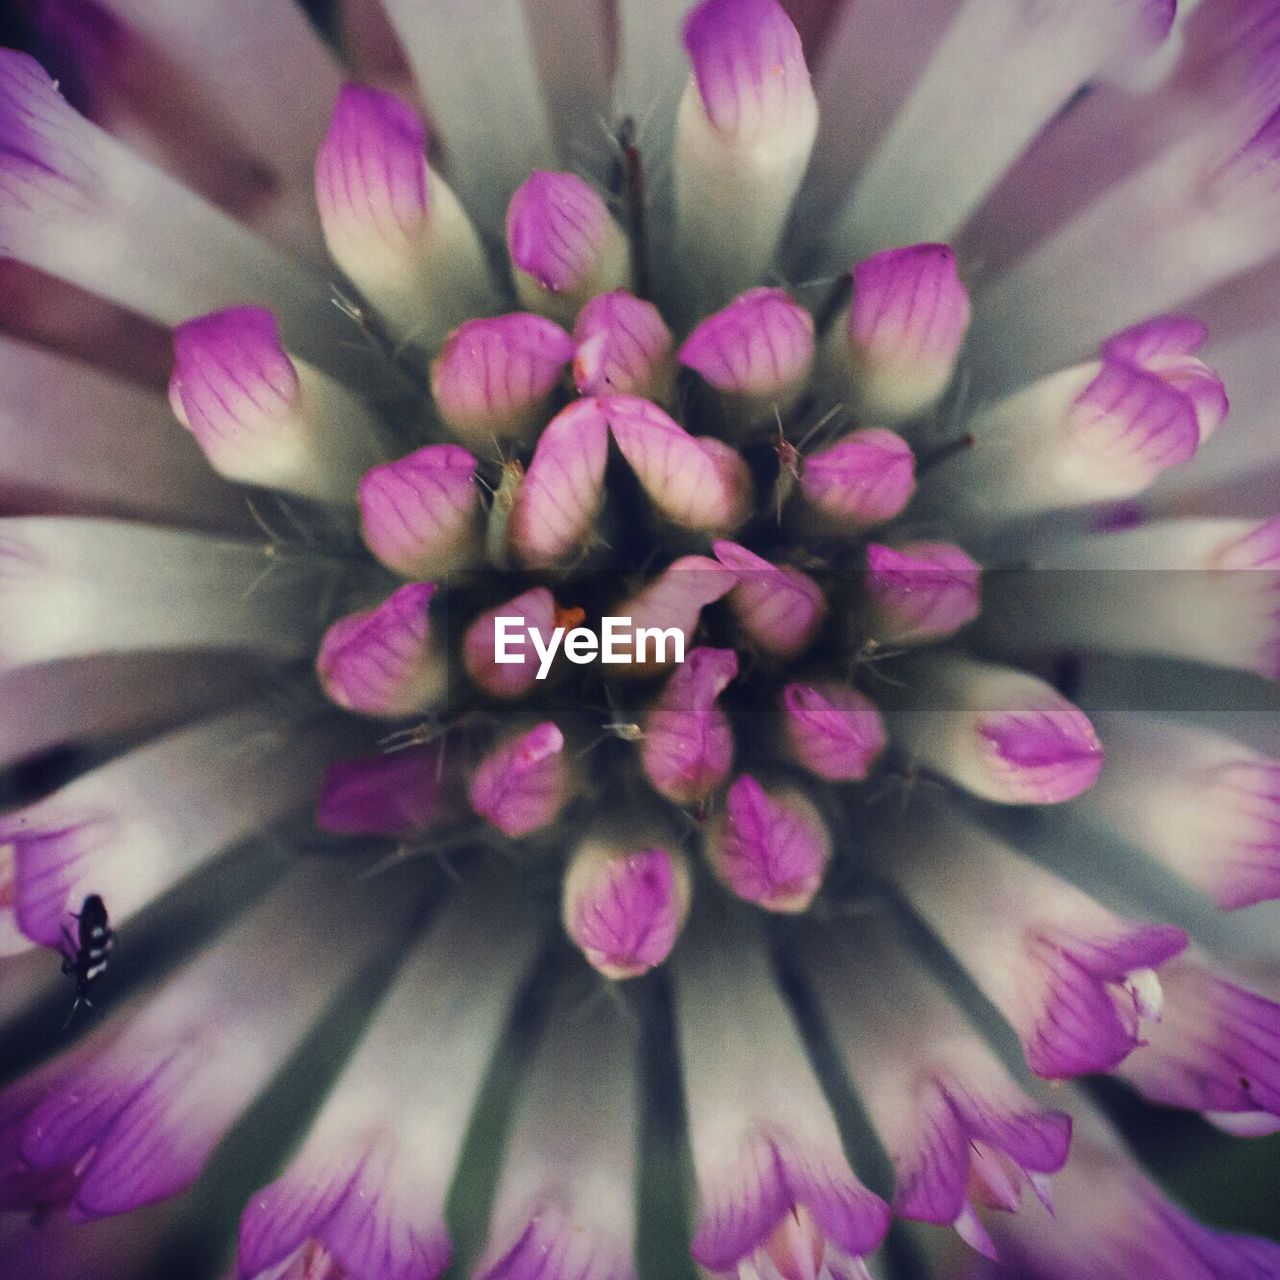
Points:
(695, 483)
(748, 64)
(863, 479)
(770, 848)
(134, 1132)
(933, 1167)
(675, 599)
(779, 609)
(36, 162)
(553, 1244)
(232, 379)
(772, 1177)
(760, 346)
(279, 1219)
(1044, 753)
(1215, 1049)
(1166, 346)
(1147, 343)
(1088, 1019)
(832, 730)
(556, 506)
(371, 170)
(1134, 420)
(624, 910)
(347, 1205)
(556, 228)
(534, 609)
(419, 515)
(848, 1214)
(623, 348)
(687, 748)
(922, 591)
(400, 794)
(493, 376)
(380, 662)
(909, 305)
(523, 783)
(47, 867)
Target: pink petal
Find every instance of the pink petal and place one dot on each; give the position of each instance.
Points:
(524, 782)
(420, 514)
(864, 479)
(556, 506)
(761, 345)
(623, 910)
(748, 64)
(770, 848)
(921, 591)
(687, 748)
(779, 609)
(623, 348)
(493, 376)
(698, 484)
(381, 662)
(832, 730)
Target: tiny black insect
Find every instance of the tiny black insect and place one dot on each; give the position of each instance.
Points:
(86, 956)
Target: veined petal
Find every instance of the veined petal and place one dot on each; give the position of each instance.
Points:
(623, 907)
(770, 847)
(1076, 981)
(832, 730)
(420, 515)
(687, 748)
(555, 508)
(564, 246)
(779, 609)
(366, 1191)
(1216, 1049)
(262, 417)
(1166, 346)
(745, 128)
(758, 351)
(494, 376)
(864, 479)
(524, 782)
(764, 1141)
(136, 826)
(131, 1117)
(999, 733)
(921, 591)
(898, 343)
(952, 1120)
(697, 483)
(392, 223)
(623, 348)
(383, 662)
(1111, 1222)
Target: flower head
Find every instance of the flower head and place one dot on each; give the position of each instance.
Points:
(696, 583)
